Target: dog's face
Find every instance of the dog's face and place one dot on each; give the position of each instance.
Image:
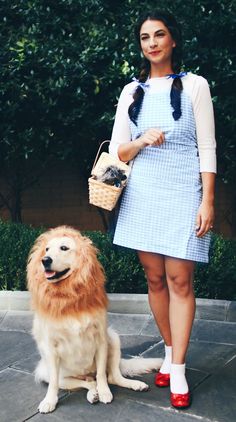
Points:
(59, 259)
(114, 176)
(64, 275)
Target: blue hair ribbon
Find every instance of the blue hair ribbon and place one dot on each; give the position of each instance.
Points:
(142, 84)
(176, 75)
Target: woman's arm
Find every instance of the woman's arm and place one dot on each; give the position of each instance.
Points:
(152, 137)
(205, 131)
(205, 124)
(121, 145)
(121, 133)
(205, 216)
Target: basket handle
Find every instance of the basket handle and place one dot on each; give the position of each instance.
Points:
(99, 149)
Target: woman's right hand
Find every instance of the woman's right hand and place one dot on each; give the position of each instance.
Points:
(152, 137)
(129, 150)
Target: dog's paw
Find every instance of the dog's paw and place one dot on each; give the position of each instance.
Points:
(139, 386)
(105, 396)
(92, 395)
(47, 406)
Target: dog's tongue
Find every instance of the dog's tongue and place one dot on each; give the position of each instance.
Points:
(50, 273)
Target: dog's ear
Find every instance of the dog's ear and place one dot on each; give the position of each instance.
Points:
(38, 247)
(35, 255)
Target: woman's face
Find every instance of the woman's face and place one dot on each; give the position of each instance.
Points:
(156, 42)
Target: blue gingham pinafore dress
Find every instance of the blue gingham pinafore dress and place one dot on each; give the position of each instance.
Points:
(159, 205)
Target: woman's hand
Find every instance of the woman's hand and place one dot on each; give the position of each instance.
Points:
(205, 218)
(129, 150)
(152, 137)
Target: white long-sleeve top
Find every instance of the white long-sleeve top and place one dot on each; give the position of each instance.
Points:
(198, 90)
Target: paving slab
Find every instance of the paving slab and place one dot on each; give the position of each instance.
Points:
(19, 395)
(135, 345)
(13, 346)
(150, 328)
(27, 364)
(17, 321)
(140, 412)
(214, 331)
(231, 314)
(14, 300)
(202, 356)
(127, 324)
(212, 309)
(128, 303)
(209, 357)
(215, 398)
(2, 315)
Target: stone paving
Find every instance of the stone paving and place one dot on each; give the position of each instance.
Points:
(211, 372)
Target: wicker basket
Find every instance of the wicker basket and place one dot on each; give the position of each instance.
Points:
(101, 194)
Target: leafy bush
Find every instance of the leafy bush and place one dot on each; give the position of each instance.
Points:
(123, 271)
(15, 243)
(217, 280)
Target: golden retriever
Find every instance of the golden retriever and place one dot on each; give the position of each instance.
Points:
(66, 282)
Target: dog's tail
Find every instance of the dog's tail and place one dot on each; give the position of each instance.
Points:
(138, 366)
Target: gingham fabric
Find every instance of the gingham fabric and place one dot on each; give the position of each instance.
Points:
(160, 203)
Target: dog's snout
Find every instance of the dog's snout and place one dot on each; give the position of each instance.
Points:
(47, 261)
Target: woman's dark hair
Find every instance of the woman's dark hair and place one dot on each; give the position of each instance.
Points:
(175, 31)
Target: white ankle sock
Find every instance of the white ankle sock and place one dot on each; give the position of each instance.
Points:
(165, 367)
(178, 382)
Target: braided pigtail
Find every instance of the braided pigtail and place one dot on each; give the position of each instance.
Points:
(175, 97)
(177, 86)
(135, 107)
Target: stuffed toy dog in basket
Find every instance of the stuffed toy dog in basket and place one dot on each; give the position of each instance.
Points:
(108, 178)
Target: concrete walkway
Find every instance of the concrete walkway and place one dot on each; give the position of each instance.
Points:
(211, 372)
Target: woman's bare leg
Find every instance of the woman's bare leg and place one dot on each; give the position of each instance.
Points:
(158, 294)
(179, 275)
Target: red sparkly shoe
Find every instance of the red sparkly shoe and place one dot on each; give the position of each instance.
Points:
(180, 401)
(162, 380)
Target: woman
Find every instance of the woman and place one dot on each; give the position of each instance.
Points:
(167, 208)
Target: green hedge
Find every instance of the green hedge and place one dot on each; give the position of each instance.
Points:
(15, 243)
(217, 280)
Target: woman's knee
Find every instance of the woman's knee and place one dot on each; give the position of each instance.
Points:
(153, 265)
(156, 281)
(180, 285)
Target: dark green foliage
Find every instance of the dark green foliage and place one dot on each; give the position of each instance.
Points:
(218, 279)
(64, 63)
(123, 271)
(15, 243)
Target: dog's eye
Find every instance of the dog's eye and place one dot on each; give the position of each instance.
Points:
(47, 249)
(64, 248)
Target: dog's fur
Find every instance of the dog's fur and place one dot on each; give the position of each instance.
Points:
(114, 176)
(77, 350)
